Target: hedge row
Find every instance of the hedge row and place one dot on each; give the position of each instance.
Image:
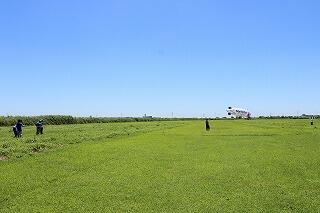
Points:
(66, 119)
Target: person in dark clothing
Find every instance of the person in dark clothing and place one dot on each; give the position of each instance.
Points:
(39, 127)
(19, 126)
(311, 121)
(15, 132)
(207, 125)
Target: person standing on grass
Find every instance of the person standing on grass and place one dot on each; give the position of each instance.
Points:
(19, 126)
(207, 125)
(39, 127)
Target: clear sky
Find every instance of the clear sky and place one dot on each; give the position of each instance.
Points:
(189, 58)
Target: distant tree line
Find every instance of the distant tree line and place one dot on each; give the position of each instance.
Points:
(67, 119)
(289, 117)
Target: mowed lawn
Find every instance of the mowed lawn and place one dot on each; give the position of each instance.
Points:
(239, 166)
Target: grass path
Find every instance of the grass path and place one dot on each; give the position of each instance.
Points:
(240, 166)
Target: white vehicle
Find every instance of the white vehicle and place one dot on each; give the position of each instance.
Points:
(238, 113)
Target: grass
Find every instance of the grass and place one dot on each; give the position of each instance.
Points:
(57, 136)
(240, 166)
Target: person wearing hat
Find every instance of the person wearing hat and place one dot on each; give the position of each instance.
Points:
(19, 126)
(39, 127)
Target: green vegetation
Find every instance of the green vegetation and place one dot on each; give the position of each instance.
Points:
(239, 166)
(67, 119)
(57, 136)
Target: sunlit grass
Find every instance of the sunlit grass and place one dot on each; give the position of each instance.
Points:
(239, 166)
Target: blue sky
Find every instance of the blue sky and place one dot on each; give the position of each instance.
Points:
(189, 58)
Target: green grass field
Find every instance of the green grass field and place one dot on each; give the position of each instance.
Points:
(239, 166)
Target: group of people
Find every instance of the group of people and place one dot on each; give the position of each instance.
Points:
(17, 129)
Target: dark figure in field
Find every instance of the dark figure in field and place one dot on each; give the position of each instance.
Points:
(19, 126)
(39, 127)
(207, 125)
(15, 131)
